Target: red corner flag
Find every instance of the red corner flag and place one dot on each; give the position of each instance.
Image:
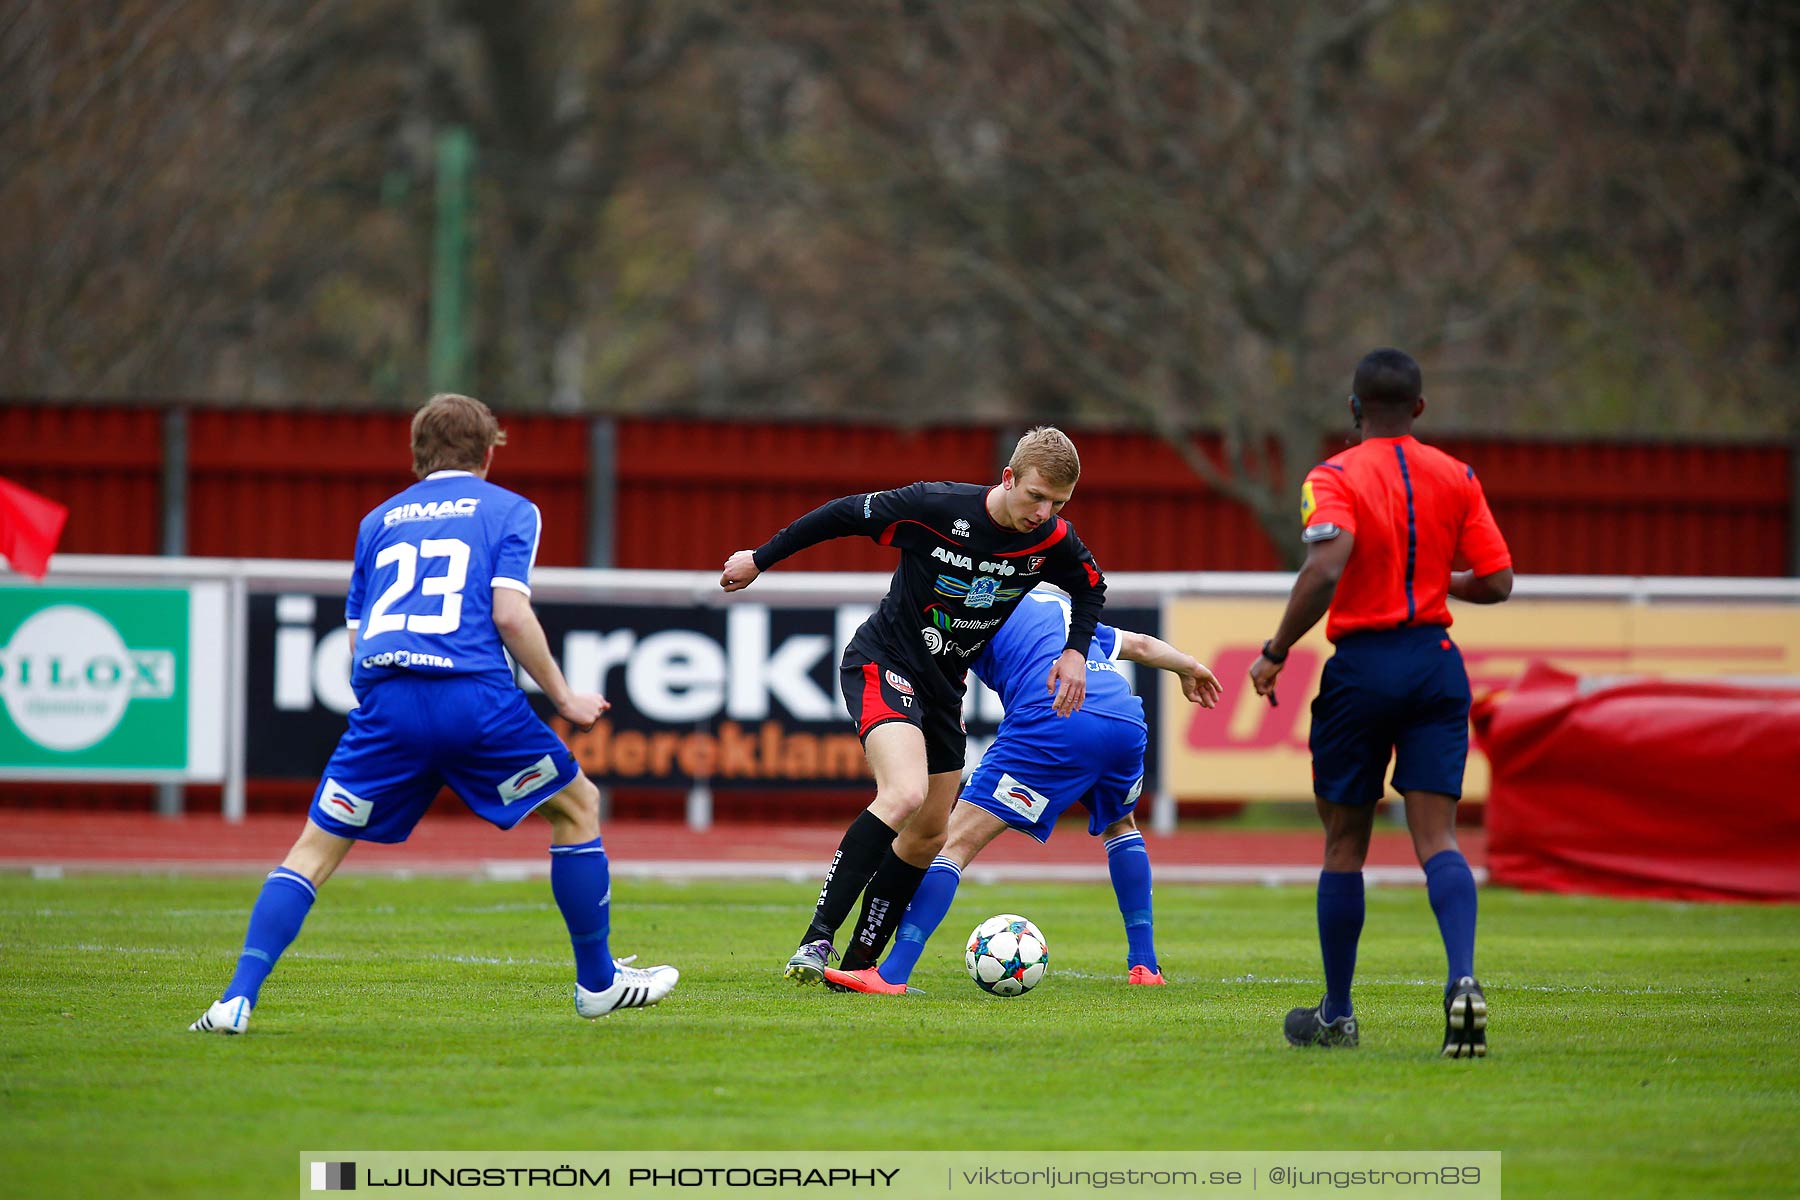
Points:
(29, 527)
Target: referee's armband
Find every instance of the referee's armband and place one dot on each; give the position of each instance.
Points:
(1324, 531)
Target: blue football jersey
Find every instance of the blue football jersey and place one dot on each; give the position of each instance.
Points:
(1016, 663)
(422, 587)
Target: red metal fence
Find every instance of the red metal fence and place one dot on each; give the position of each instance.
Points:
(295, 484)
(1636, 508)
(686, 493)
(104, 463)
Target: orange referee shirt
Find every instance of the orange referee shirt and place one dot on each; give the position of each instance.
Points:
(1417, 514)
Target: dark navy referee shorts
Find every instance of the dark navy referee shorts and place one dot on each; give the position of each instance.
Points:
(1400, 693)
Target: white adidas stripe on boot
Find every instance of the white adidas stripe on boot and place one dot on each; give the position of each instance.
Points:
(632, 987)
(228, 1016)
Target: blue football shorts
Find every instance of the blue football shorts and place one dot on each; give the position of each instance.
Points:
(411, 736)
(1032, 773)
(1400, 693)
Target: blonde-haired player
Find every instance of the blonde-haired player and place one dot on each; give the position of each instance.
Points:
(968, 554)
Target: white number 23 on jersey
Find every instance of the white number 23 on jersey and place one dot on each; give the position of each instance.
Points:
(405, 556)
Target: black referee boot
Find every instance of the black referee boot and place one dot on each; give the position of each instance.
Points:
(1306, 1027)
(1465, 1020)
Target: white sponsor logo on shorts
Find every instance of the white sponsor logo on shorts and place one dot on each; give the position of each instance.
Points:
(1027, 802)
(525, 782)
(1137, 789)
(899, 683)
(344, 806)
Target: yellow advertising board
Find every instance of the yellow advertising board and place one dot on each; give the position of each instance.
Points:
(1247, 750)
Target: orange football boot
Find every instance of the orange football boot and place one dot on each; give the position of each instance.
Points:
(868, 980)
(1144, 975)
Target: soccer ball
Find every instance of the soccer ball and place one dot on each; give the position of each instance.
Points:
(1007, 955)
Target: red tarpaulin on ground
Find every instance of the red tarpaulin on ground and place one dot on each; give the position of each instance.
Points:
(1650, 788)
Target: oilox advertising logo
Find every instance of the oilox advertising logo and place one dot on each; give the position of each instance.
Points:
(66, 677)
(98, 679)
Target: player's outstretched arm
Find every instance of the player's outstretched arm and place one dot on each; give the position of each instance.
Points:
(1198, 683)
(847, 516)
(524, 637)
(740, 571)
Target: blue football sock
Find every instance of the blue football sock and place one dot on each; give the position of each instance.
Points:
(582, 885)
(275, 920)
(1451, 886)
(1128, 861)
(921, 919)
(1340, 925)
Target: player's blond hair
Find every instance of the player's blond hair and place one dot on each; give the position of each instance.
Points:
(453, 433)
(1048, 449)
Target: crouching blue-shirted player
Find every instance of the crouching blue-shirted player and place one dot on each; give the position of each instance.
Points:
(440, 589)
(1038, 765)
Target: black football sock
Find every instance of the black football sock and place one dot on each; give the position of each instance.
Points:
(884, 902)
(861, 851)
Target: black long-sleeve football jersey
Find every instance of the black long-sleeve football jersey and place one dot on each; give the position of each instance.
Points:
(960, 573)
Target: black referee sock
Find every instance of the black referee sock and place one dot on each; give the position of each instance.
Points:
(867, 839)
(884, 901)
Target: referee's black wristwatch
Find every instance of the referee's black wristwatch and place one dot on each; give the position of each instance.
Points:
(1268, 652)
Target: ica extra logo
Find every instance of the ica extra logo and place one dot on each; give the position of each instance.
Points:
(67, 677)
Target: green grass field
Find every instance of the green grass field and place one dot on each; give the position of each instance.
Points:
(1638, 1049)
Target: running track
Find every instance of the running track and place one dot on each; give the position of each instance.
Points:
(50, 843)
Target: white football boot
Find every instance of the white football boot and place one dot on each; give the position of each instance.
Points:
(632, 987)
(228, 1016)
